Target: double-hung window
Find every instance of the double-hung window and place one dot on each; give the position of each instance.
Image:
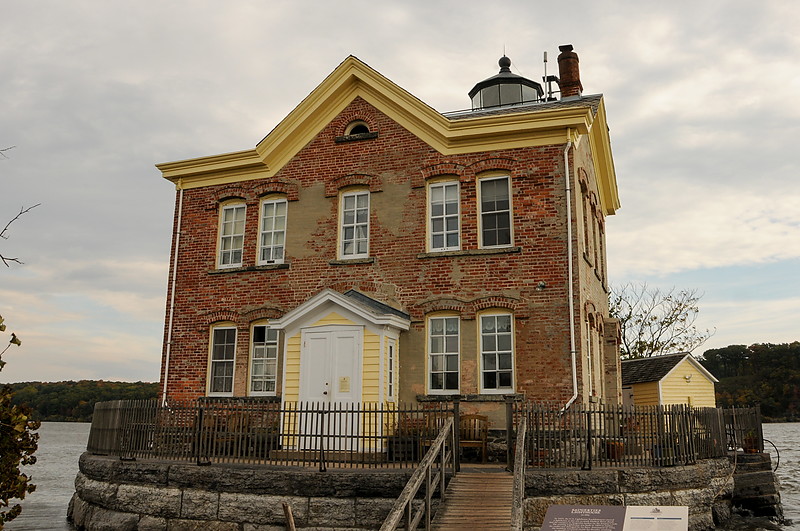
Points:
(444, 216)
(231, 235)
(497, 353)
(355, 225)
(273, 232)
(264, 361)
(495, 206)
(223, 354)
(443, 354)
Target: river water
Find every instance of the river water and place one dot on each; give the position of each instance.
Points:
(61, 443)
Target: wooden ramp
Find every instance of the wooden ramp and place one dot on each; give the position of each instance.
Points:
(477, 499)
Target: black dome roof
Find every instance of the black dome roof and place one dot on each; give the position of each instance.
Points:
(506, 76)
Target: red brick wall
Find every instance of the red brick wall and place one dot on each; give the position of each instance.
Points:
(394, 167)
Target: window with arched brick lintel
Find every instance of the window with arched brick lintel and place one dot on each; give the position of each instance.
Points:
(335, 186)
(496, 346)
(443, 349)
(221, 358)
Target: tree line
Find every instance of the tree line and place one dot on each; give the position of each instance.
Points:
(763, 373)
(74, 401)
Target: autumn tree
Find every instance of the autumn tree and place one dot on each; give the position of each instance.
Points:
(18, 442)
(655, 322)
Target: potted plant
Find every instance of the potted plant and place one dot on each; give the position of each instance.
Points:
(615, 449)
(750, 442)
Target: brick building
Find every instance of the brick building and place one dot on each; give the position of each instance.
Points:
(370, 248)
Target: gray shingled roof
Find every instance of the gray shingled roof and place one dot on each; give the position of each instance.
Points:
(592, 101)
(376, 306)
(645, 370)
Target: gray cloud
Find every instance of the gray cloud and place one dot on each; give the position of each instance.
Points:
(701, 101)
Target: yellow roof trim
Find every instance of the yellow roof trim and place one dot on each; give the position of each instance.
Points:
(200, 169)
(600, 143)
(352, 79)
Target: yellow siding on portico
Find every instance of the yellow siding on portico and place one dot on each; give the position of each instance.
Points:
(291, 385)
(371, 368)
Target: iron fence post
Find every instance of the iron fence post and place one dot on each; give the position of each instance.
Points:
(588, 465)
(322, 467)
(457, 432)
(509, 432)
(198, 435)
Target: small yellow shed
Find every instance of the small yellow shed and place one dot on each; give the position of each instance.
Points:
(667, 380)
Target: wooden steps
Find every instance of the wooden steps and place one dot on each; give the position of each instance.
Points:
(477, 499)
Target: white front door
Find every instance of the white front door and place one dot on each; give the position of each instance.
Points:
(330, 378)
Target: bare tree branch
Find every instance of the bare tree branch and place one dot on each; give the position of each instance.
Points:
(4, 233)
(655, 322)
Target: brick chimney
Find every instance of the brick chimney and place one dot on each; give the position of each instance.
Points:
(568, 72)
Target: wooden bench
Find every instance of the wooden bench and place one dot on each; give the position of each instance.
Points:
(474, 431)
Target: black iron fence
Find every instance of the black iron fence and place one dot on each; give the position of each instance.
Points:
(250, 430)
(365, 435)
(651, 436)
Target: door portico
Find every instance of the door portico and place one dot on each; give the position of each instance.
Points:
(337, 347)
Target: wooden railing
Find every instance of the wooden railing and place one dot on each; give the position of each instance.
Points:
(585, 436)
(432, 473)
(250, 430)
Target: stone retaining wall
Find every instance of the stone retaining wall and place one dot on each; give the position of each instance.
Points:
(706, 488)
(757, 489)
(146, 495)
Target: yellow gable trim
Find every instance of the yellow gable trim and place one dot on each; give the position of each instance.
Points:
(604, 162)
(352, 79)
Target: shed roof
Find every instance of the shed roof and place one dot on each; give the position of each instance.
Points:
(643, 370)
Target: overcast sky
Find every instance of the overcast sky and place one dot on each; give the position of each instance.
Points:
(702, 106)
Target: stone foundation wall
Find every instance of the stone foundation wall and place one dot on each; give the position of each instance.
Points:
(146, 495)
(757, 489)
(706, 488)
(127, 495)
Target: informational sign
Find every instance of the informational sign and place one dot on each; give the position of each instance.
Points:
(652, 518)
(615, 518)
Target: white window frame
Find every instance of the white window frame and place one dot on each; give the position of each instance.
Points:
(230, 240)
(481, 213)
(443, 216)
(495, 353)
(345, 225)
(266, 352)
(214, 362)
(446, 354)
(267, 230)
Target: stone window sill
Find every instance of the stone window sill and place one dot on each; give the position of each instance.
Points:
(471, 252)
(355, 138)
(351, 261)
(470, 398)
(269, 267)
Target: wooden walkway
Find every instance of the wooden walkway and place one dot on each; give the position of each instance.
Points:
(478, 499)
